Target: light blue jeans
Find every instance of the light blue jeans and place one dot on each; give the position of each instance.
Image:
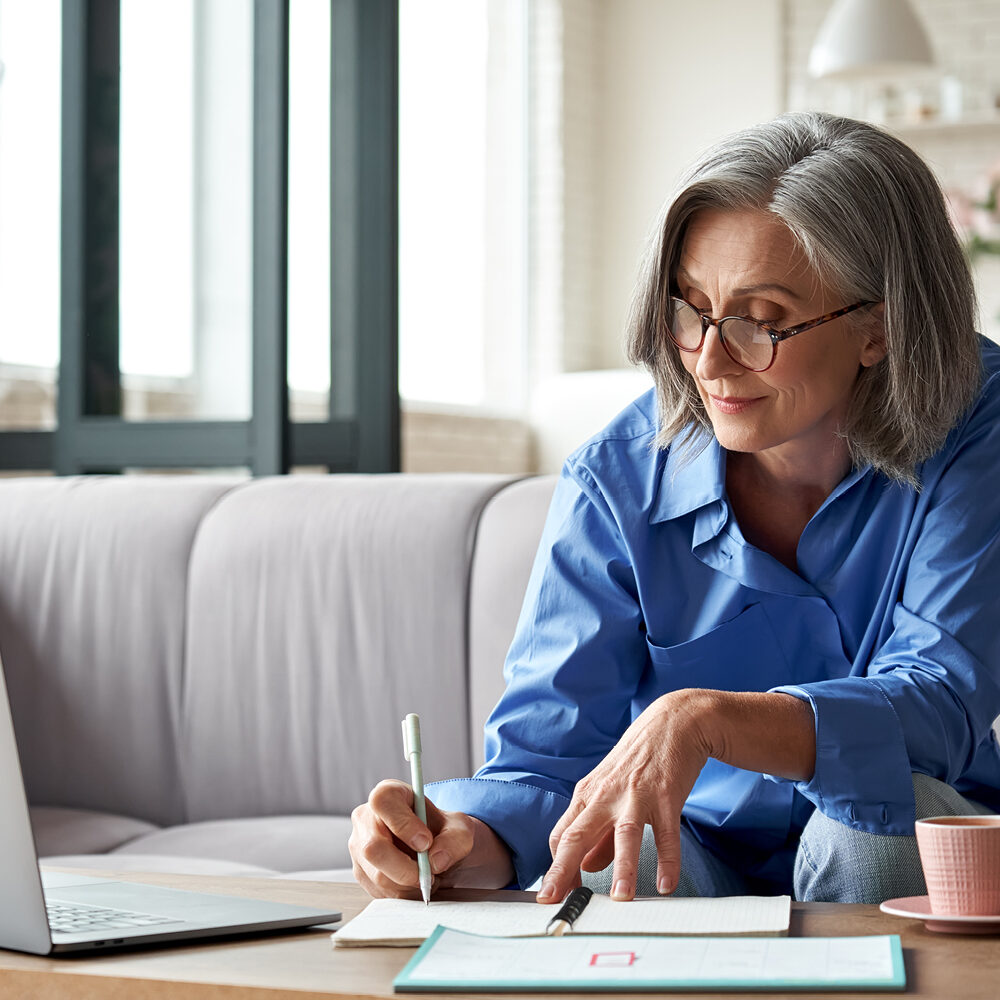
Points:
(833, 864)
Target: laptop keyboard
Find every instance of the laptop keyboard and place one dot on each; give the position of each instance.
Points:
(80, 918)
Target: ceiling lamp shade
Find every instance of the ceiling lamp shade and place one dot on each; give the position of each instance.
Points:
(870, 38)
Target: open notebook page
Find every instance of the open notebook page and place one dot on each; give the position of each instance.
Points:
(407, 922)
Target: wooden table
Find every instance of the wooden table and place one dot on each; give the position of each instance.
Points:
(301, 965)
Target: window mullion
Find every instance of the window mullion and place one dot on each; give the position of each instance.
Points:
(89, 378)
(270, 432)
(364, 310)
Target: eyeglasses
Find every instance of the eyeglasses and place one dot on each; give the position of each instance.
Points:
(751, 345)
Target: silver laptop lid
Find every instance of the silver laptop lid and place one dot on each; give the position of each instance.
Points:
(182, 914)
(23, 923)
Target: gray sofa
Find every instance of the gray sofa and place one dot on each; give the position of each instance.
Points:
(207, 674)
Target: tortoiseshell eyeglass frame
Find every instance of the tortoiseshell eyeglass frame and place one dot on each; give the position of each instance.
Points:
(777, 336)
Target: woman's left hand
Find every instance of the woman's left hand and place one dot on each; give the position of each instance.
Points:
(645, 779)
(648, 775)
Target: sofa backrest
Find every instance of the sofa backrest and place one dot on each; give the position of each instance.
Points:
(509, 532)
(93, 601)
(322, 611)
(185, 648)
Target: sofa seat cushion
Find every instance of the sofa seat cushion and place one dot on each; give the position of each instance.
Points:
(278, 843)
(83, 831)
(171, 864)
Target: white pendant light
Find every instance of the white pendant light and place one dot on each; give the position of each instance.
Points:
(870, 38)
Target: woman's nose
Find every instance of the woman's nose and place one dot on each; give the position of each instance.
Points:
(713, 361)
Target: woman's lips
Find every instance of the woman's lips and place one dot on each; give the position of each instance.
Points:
(733, 404)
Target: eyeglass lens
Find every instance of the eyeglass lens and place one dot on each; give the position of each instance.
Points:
(746, 343)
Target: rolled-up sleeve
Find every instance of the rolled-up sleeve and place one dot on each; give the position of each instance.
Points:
(572, 670)
(927, 699)
(862, 775)
(520, 813)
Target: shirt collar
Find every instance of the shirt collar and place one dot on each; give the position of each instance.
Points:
(688, 481)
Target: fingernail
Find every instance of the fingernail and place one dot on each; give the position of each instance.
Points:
(421, 842)
(620, 890)
(546, 891)
(663, 887)
(440, 860)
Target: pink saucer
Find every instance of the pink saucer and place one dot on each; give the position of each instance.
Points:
(919, 908)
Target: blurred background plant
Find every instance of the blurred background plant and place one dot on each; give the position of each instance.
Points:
(976, 214)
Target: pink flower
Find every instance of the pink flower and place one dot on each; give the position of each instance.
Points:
(960, 210)
(975, 213)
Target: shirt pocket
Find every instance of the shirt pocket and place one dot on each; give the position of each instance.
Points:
(742, 654)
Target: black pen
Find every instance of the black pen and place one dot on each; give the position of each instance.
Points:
(574, 904)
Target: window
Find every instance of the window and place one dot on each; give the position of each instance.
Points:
(463, 204)
(29, 211)
(166, 288)
(186, 207)
(309, 209)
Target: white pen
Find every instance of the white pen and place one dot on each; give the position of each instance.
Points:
(412, 752)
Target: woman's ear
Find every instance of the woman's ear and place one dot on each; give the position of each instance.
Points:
(874, 350)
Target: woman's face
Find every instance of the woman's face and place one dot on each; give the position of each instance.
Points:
(747, 263)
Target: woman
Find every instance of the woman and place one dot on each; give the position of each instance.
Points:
(757, 641)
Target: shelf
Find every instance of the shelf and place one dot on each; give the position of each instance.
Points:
(981, 122)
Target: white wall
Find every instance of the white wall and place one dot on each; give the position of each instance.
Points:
(961, 144)
(671, 84)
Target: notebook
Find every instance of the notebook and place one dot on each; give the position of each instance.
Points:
(407, 922)
(51, 912)
(453, 962)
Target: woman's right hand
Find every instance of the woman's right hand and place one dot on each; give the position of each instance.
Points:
(386, 835)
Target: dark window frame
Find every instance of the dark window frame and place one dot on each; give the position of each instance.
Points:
(362, 431)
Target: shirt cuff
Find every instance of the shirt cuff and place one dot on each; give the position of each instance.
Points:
(521, 815)
(863, 776)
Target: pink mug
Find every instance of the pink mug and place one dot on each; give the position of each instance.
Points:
(960, 856)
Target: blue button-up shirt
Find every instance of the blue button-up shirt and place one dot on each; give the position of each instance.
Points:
(644, 584)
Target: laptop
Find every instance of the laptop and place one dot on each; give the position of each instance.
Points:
(49, 912)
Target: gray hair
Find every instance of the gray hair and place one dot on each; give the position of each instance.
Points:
(872, 220)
